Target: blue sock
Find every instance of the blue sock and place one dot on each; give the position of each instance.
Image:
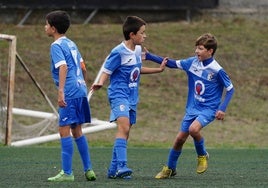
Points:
(67, 154)
(121, 151)
(113, 164)
(173, 158)
(200, 147)
(83, 149)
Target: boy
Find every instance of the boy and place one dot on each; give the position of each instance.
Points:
(206, 81)
(69, 73)
(124, 66)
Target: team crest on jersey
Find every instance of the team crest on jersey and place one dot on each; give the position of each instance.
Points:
(199, 87)
(134, 75)
(199, 90)
(210, 76)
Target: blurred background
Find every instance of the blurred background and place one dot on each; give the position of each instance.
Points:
(107, 11)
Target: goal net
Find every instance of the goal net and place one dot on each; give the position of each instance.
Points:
(28, 119)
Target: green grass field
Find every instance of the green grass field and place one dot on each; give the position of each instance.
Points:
(31, 166)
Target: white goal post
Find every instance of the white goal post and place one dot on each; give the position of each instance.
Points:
(11, 81)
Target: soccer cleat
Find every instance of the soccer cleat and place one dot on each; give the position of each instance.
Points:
(202, 163)
(61, 177)
(90, 175)
(166, 173)
(123, 172)
(111, 174)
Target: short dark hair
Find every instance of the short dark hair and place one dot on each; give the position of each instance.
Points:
(208, 41)
(60, 20)
(132, 24)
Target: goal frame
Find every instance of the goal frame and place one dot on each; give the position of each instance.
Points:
(12, 40)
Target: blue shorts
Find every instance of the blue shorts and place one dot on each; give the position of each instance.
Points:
(75, 113)
(122, 109)
(204, 119)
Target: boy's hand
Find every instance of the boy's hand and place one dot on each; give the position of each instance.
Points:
(95, 87)
(61, 99)
(163, 64)
(220, 115)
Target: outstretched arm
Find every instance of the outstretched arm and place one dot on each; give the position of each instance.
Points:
(171, 63)
(148, 70)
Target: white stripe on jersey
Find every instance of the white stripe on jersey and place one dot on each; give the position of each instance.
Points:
(178, 63)
(197, 68)
(58, 64)
(229, 87)
(106, 71)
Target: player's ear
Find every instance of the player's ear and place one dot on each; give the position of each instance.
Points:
(54, 29)
(131, 34)
(211, 51)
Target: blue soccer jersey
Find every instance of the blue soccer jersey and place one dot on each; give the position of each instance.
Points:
(124, 66)
(206, 81)
(64, 51)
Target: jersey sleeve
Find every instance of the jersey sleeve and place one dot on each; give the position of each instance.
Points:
(171, 63)
(57, 56)
(112, 62)
(226, 81)
(183, 64)
(79, 56)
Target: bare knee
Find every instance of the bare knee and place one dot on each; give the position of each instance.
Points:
(193, 131)
(77, 131)
(195, 134)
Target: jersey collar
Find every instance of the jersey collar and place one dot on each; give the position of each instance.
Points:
(208, 61)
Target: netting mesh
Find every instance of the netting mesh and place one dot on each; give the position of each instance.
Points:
(20, 130)
(44, 127)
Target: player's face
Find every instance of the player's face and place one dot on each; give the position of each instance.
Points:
(48, 29)
(140, 36)
(202, 53)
